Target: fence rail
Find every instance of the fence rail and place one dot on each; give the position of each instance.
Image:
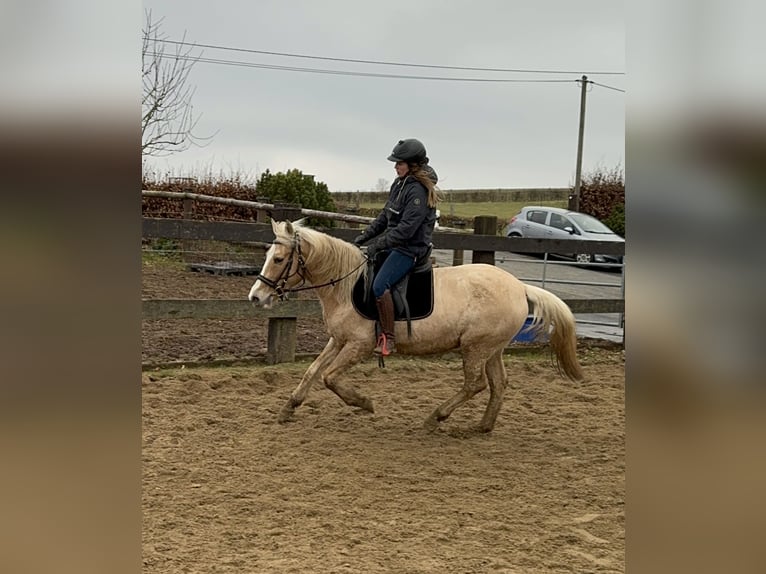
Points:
(236, 309)
(282, 318)
(248, 232)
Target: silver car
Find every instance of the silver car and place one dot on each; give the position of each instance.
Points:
(557, 223)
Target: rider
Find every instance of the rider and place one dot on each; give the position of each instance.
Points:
(402, 230)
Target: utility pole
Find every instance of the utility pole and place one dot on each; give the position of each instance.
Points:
(575, 201)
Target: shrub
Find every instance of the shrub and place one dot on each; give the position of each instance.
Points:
(602, 195)
(616, 220)
(297, 188)
(291, 187)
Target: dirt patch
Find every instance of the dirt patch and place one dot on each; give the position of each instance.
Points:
(204, 340)
(228, 489)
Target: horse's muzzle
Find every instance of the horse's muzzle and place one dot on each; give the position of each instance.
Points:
(265, 301)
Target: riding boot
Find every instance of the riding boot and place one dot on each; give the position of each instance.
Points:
(386, 341)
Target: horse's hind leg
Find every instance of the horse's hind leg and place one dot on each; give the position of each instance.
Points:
(475, 382)
(348, 356)
(497, 378)
(297, 397)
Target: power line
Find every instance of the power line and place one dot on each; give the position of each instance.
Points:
(351, 73)
(608, 87)
(383, 63)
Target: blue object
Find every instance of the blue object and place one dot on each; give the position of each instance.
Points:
(524, 335)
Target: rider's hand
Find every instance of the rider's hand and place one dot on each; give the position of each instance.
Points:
(376, 246)
(360, 240)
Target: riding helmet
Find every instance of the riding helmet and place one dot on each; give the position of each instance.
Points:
(409, 150)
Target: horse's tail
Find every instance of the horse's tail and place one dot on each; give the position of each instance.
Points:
(552, 316)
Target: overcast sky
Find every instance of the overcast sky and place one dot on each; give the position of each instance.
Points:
(341, 128)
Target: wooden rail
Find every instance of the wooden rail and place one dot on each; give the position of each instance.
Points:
(235, 309)
(283, 317)
(226, 309)
(245, 232)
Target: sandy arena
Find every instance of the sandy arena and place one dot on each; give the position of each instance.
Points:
(228, 489)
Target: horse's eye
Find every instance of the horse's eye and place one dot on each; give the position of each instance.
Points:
(278, 260)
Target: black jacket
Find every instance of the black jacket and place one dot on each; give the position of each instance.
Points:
(406, 217)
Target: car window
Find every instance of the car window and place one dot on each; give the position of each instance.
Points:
(559, 221)
(536, 216)
(591, 224)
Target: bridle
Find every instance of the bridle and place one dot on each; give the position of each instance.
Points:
(279, 284)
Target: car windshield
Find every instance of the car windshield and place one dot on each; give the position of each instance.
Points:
(590, 224)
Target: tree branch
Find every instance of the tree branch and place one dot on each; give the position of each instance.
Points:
(167, 116)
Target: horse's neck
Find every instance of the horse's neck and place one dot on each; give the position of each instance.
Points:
(329, 300)
(338, 294)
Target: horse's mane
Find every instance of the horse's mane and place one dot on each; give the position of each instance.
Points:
(326, 257)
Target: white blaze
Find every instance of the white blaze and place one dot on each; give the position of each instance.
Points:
(260, 291)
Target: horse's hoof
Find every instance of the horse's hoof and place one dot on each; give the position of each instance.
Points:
(431, 424)
(367, 406)
(285, 414)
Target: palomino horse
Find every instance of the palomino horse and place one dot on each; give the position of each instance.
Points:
(477, 308)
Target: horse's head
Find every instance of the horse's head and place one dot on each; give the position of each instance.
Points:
(283, 267)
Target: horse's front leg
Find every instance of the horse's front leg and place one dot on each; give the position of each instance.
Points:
(316, 368)
(348, 356)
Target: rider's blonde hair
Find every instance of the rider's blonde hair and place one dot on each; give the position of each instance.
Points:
(421, 175)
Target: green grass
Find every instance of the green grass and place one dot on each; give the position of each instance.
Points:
(160, 259)
(176, 255)
(504, 210)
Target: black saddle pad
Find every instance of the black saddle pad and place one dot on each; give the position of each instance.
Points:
(420, 297)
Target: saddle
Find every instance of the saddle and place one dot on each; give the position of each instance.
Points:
(413, 295)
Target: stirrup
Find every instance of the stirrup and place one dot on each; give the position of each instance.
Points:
(382, 348)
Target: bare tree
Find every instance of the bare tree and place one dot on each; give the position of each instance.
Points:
(167, 116)
(382, 185)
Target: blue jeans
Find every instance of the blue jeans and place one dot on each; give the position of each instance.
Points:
(394, 268)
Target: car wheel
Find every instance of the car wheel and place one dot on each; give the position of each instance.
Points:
(584, 258)
(514, 234)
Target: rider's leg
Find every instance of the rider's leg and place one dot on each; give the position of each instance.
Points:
(387, 341)
(394, 268)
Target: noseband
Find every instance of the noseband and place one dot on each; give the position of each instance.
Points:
(280, 282)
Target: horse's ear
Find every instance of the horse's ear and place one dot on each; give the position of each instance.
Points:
(274, 225)
(289, 227)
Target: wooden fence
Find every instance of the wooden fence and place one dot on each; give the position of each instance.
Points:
(283, 317)
(528, 195)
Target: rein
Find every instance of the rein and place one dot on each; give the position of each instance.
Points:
(279, 283)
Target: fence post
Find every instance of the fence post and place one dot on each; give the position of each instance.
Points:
(286, 211)
(188, 205)
(260, 214)
(353, 211)
(484, 225)
(282, 340)
(187, 245)
(457, 254)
